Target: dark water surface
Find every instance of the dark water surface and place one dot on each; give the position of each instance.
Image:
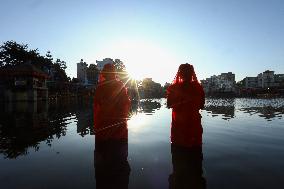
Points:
(52, 146)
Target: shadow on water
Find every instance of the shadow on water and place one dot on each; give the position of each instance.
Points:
(111, 166)
(187, 168)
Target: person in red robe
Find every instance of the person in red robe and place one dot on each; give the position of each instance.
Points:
(111, 108)
(186, 97)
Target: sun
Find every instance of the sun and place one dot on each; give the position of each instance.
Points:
(134, 74)
(143, 59)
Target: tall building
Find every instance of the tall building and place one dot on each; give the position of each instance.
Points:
(100, 64)
(82, 71)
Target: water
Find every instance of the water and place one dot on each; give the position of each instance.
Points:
(52, 146)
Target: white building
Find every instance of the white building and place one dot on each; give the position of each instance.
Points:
(221, 83)
(266, 79)
(100, 64)
(82, 71)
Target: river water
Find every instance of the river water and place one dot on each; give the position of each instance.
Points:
(52, 146)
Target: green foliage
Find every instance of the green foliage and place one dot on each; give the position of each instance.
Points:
(119, 65)
(13, 53)
(121, 70)
(150, 89)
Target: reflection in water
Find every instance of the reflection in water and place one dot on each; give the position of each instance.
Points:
(223, 107)
(187, 168)
(226, 108)
(24, 125)
(28, 127)
(267, 113)
(148, 106)
(111, 166)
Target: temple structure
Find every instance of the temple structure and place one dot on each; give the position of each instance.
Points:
(23, 82)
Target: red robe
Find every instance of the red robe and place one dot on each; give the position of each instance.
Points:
(186, 100)
(111, 107)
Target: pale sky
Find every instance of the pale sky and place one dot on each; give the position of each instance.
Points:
(153, 37)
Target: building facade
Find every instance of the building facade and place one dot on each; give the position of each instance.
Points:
(251, 82)
(100, 64)
(225, 82)
(264, 80)
(82, 71)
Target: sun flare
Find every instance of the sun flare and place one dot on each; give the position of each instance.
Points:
(143, 59)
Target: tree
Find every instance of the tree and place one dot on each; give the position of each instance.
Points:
(62, 64)
(150, 89)
(59, 73)
(12, 53)
(119, 65)
(121, 70)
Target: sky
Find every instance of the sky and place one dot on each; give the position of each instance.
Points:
(153, 37)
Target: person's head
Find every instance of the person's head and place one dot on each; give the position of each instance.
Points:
(108, 72)
(185, 73)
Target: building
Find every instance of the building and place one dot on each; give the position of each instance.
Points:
(225, 82)
(279, 80)
(259, 80)
(23, 82)
(264, 80)
(82, 72)
(251, 82)
(268, 79)
(101, 64)
(87, 75)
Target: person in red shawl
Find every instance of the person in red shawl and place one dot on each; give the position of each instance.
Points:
(186, 97)
(111, 107)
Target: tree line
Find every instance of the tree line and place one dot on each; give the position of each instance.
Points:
(13, 54)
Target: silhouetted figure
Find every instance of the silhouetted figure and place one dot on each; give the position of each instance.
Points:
(187, 168)
(111, 108)
(186, 97)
